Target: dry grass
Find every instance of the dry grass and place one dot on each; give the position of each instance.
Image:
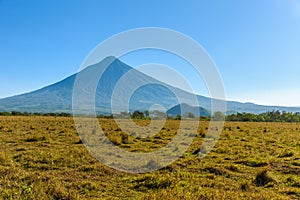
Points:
(43, 158)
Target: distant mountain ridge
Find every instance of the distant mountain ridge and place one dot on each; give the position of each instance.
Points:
(185, 109)
(58, 97)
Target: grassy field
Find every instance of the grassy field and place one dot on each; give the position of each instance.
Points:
(43, 158)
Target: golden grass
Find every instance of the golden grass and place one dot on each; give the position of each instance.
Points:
(43, 158)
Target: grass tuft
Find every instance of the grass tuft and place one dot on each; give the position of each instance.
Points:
(262, 178)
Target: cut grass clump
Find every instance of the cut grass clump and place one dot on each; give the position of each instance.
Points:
(214, 170)
(37, 139)
(232, 168)
(286, 154)
(262, 179)
(78, 142)
(56, 190)
(252, 163)
(153, 183)
(245, 186)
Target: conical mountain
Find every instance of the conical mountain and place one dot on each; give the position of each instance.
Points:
(58, 97)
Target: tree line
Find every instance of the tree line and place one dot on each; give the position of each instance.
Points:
(17, 113)
(270, 116)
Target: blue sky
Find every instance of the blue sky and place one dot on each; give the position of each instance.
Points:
(254, 43)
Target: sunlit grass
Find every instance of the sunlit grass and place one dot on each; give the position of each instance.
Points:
(43, 158)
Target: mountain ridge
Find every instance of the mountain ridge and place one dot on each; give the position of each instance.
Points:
(57, 97)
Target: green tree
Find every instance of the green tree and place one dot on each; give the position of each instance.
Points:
(146, 113)
(138, 115)
(178, 117)
(190, 115)
(218, 116)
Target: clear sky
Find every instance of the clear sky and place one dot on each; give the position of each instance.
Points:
(254, 43)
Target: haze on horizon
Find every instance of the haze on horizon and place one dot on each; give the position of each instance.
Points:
(255, 44)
